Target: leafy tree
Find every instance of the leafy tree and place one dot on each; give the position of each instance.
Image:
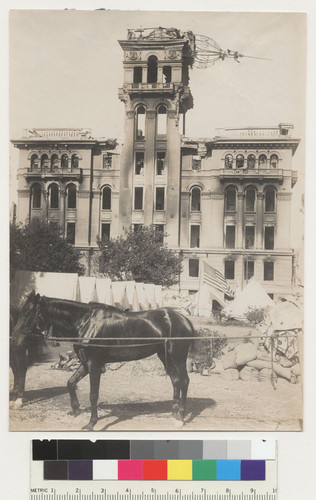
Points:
(141, 256)
(40, 246)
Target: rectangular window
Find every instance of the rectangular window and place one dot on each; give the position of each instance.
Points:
(230, 236)
(71, 231)
(139, 162)
(159, 229)
(249, 237)
(269, 238)
(166, 71)
(105, 232)
(268, 271)
(138, 73)
(195, 237)
(160, 198)
(196, 163)
(107, 162)
(161, 156)
(194, 268)
(138, 198)
(229, 269)
(249, 269)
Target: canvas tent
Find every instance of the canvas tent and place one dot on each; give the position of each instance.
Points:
(87, 287)
(253, 295)
(104, 291)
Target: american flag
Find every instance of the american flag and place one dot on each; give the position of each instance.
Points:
(215, 279)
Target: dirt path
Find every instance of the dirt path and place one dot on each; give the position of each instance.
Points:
(137, 396)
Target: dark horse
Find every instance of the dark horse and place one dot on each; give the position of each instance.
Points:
(105, 335)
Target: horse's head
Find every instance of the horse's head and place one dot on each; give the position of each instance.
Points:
(29, 320)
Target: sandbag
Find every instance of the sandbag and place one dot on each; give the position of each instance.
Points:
(296, 369)
(263, 354)
(229, 360)
(259, 364)
(231, 374)
(249, 373)
(245, 352)
(218, 368)
(282, 372)
(265, 375)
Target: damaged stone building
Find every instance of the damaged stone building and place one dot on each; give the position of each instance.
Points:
(224, 200)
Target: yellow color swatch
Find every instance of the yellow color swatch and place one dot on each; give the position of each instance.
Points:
(180, 470)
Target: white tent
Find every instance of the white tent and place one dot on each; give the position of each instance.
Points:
(131, 294)
(59, 285)
(104, 291)
(253, 295)
(150, 291)
(88, 291)
(142, 296)
(119, 294)
(158, 295)
(286, 316)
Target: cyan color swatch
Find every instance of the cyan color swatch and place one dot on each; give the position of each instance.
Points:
(228, 470)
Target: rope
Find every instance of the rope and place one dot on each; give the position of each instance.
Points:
(76, 339)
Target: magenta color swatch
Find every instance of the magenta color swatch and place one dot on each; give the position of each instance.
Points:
(130, 469)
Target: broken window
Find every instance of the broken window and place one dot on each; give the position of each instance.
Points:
(269, 205)
(140, 123)
(152, 69)
(195, 199)
(161, 120)
(161, 157)
(195, 236)
(230, 199)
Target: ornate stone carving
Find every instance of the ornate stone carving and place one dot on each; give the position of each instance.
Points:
(132, 56)
(173, 54)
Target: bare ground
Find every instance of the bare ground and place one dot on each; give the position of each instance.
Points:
(138, 395)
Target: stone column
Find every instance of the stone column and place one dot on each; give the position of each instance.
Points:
(149, 170)
(62, 208)
(240, 220)
(259, 223)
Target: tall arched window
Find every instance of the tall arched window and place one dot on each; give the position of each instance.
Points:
(34, 161)
(262, 161)
(74, 161)
(64, 161)
(152, 69)
(250, 199)
(162, 120)
(71, 196)
(54, 162)
(44, 161)
(251, 161)
(230, 199)
(106, 198)
(240, 161)
(36, 192)
(274, 161)
(228, 161)
(195, 199)
(269, 199)
(140, 123)
(54, 196)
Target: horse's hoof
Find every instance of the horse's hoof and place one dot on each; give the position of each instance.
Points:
(74, 413)
(18, 403)
(88, 427)
(179, 423)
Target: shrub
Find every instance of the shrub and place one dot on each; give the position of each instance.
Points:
(255, 315)
(206, 350)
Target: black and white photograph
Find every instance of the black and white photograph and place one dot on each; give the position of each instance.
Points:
(157, 164)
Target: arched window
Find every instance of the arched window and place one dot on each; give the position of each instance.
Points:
(196, 199)
(269, 199)
(230, 199)
(140, 123)
(64, 161)
(251, 161)
(262, 161)
(74, 161)
(240, 161)
(71, 196)
(162, 120)
(54, 196)
(228, 161)
(44, 161)
(34, 161)
(152, 69)
(36, 193)
(274, 161)
(106, 198)
(250, 199)
(54, 162)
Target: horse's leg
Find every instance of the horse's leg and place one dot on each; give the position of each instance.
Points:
(172, 372)
(81, 372)
(13, 364)
(184, 384)
(95, 376)
(21, 367)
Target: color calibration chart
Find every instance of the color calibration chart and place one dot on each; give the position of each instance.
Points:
(154, 470)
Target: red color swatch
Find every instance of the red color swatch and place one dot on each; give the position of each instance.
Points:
(155, 469)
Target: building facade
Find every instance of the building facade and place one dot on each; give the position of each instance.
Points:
(225, 200)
